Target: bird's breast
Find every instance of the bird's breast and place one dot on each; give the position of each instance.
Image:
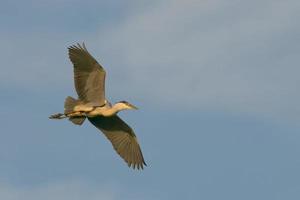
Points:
(104, 111)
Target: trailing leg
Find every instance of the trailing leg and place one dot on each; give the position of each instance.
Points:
(58, 116)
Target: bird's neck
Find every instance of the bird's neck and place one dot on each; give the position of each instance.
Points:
(114, 109)
(118, 107)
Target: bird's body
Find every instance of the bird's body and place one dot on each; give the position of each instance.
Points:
(89, 78)
(106, 110)
(87, 110)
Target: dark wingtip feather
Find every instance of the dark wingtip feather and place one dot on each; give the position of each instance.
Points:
(78, 46)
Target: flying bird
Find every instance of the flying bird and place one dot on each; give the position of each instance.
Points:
(89, 78)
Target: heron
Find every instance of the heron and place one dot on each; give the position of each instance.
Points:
(89, 79)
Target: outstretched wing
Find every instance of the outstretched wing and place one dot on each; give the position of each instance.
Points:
(122, 138)
(89, 76)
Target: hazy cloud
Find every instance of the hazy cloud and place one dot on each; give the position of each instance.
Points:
(68, 190)
(233, 56)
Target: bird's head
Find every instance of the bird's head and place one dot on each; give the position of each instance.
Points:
(124, 105)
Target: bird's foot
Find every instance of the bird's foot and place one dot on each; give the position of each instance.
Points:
(57, 116)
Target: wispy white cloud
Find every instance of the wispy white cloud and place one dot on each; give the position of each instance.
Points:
(234, 56)
(68, 190)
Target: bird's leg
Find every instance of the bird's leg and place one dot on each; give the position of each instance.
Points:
(75, 114)
(58, 116)
(66, 115)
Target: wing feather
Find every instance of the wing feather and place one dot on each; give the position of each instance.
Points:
(122, 138)
(89, 76)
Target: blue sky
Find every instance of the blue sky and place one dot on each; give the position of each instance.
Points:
(217, 84)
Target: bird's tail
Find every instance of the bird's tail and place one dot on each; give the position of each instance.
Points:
(77, 120)
(70, 103)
